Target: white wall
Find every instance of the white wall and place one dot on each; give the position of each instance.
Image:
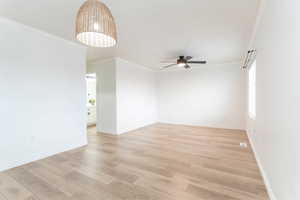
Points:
(275, 132)
(106, 95)
(212, 96)
(126, 98)
(42, 87)
(136, 96)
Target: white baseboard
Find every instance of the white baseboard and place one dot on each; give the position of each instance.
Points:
(202, 125)
(20, 162)
(261, 169)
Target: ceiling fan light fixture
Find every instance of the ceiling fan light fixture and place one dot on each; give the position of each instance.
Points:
(181, 64)
(95, 25)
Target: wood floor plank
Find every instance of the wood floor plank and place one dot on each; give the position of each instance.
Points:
(2, 197)
(207, 194)
(56, 181)
(158, 162)
(227, 190)
(11, 189)
(91, 185)
(36, 185)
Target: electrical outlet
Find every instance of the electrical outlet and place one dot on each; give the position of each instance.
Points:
(243, 145)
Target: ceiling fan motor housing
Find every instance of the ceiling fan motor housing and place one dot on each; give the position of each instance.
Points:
(181, 60)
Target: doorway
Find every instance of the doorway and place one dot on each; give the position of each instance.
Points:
(91, 83)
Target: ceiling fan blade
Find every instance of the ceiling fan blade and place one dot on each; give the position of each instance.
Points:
(197, 62)
(168, 66)
(188, 57)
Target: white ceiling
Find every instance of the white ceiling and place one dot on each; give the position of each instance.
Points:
(152, 30)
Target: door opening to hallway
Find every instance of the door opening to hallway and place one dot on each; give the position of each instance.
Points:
(91, 83)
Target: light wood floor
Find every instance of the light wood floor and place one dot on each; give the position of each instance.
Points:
(159, 162)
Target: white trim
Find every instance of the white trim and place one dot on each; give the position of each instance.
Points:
(98, 60)
(4, 19)
(208, 64)
(257, 22)
(261, 169)
(154, 69)
(200, 125)
(260, 9)
(136, 64)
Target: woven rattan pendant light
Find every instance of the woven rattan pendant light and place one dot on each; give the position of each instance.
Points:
(95, 25)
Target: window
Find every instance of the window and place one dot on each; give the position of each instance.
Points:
(252, 91)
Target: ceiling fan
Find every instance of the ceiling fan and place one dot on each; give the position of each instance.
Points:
(184, 61)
